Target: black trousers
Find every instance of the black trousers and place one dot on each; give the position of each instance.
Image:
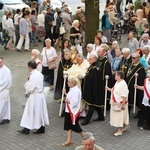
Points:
(90, 113)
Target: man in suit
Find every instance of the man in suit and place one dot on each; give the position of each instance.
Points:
(88, 143)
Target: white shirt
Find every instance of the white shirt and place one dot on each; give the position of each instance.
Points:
(16, 19)
(51, 53)
(41, 19)
(104, 40)
(9, 23)
(145, 98)
(144, 43)
(4, 19)
(74, 96)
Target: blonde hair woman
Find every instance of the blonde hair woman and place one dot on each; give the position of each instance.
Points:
(73, 98)
(48, 55)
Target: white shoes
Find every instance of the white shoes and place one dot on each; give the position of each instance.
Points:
(117, 133)
(124, 129)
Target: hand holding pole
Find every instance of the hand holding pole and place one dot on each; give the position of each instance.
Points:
(135, 89)
(105, 104)
(62, 97)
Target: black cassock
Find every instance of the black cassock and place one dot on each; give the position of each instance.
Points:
(63, 66)
(130, 80)
(124, 65)
(91, 86)
(104, 69)
(94, 82)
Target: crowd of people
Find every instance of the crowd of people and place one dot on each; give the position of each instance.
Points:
(107, 67)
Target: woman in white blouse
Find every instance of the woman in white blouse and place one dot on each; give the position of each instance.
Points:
(10, 30)
(119, 116)
(144, 118)
(72, 110)
(49, 53)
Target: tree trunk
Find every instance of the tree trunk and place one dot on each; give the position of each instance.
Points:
(92, 20)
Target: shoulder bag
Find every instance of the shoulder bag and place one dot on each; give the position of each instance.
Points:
(51, 65)
(116, 106)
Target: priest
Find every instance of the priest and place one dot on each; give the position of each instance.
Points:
(135, 67)
(64, 65)
(5, 84)
(35, 114)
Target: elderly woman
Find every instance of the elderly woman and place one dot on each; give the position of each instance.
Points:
(115, 45)
(119, 116)
(75, 33)
(48, 55)
(144, 121)
(35, 54)
(72, 110)
(146, 54)
(90, 50)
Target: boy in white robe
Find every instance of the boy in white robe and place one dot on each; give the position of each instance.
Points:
(35, 114)
(5, 84)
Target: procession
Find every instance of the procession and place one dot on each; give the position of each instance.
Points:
(54, 85)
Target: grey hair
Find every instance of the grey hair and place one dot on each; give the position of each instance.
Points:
(145, 25)
(126, 50)
(145, 47)
(74, 22)
(67, 51)
(115, 42)
(88, 136)
(81, 56)
(73, 80)
(145, 34)
(90, 45)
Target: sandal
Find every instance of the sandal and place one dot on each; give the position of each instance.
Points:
(67, 143)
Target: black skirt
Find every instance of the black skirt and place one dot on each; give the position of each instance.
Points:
(69, 126)
(144, 118)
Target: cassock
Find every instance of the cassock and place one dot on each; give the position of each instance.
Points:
(104, 69)
(5, 84)
(38, 65)
(130, 80)
(35, 113)
(91, 90)
(77, 70)
(63, 66)
(125, 64)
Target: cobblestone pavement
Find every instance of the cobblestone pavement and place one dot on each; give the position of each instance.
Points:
(134, 138)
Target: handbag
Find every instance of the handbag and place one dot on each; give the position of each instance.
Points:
(51, 65)
(62, 30)
(116, 106)
(33, 28)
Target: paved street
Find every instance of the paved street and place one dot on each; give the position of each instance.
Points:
(134, 138)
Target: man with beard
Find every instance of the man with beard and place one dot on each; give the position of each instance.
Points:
(64, 65)
(135, 67)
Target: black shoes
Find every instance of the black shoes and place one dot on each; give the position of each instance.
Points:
(24, 131)
(99, 119)
(40, 130)
(84, 123)
(4, 121)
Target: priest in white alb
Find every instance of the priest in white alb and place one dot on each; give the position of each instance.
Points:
(5, 84)
(35, 114)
